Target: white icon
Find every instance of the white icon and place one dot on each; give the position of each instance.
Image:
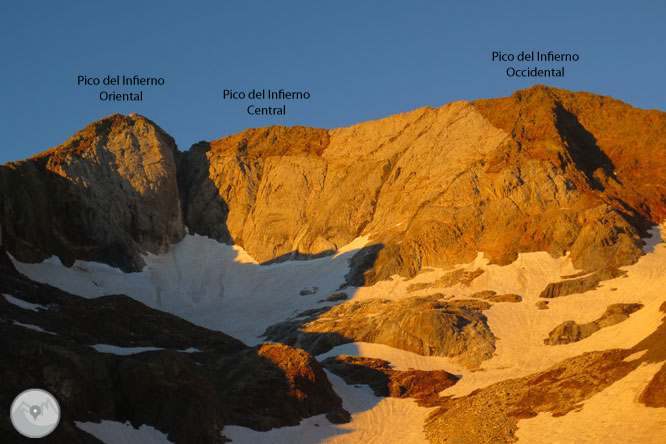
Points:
(35, 413)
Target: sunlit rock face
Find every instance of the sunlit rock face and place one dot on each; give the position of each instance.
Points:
(541, 170)
(538, 171)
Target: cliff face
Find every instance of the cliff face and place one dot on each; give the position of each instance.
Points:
(541, 170)
(107, 194)
(544, 169)
(297, 191)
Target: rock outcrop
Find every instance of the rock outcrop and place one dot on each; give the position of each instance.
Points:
(492, 296)
(571, 331)
(451, 278)
(421, 325)
(575, 285)
(422, 385)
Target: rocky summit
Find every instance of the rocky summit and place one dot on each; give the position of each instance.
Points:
(485, 272)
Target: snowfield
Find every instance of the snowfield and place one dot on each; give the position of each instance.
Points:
(207, 283)
(117, 432)
(221, 287)
(126, 351)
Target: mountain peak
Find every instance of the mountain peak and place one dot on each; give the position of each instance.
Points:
(117, 195)
(566, 171)
(595, 137)
(100, 131)
(276, 140)
(452, 212)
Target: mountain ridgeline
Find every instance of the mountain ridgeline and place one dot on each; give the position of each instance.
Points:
(541, 170)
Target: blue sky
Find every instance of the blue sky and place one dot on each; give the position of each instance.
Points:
(358, 60)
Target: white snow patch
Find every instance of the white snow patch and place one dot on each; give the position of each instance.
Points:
(374, 421)
(23, 304)
(122, 351)
(190, 350)
(112, 432)
(32, 327)
(126, 351)
(208, 283)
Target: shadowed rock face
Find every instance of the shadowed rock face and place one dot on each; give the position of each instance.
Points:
(107, 194)
(421, 325)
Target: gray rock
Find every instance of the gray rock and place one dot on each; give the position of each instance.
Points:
(421, 325)
(570, 331)
(580, 285)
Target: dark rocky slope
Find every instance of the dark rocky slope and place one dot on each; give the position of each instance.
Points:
(188, 394)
